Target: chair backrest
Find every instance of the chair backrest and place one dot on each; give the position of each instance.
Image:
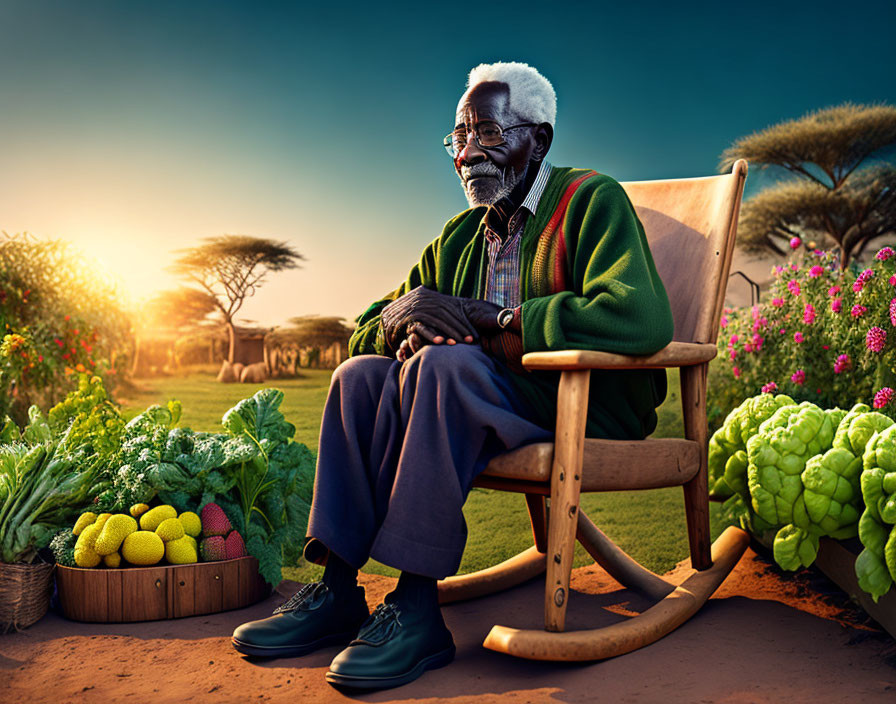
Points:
(690, 225)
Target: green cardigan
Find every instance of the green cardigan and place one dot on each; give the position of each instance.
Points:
(588, 281)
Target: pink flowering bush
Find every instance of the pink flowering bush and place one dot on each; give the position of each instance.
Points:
(818, 334)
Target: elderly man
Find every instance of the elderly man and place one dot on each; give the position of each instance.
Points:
(546, 258)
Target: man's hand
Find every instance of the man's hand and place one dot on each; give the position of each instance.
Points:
(427, 316)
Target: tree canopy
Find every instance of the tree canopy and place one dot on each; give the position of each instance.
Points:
(838, 194)
(232, 268)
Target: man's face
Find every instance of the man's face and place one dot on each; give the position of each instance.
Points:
(487, 175)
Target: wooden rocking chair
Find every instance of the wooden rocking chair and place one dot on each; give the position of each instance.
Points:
(691, 226)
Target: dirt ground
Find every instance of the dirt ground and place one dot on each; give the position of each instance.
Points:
(764, 637)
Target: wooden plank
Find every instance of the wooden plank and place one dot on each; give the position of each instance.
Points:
(837, 562)
(230, 578)
(114, 597)
(566, 479)
(209, 589)
(183, 585)
(145, 593)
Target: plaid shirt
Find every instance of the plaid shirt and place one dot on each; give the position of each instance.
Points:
(502, 280)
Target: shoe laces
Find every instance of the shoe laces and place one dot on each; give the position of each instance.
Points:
(303, 598)
(380, 625)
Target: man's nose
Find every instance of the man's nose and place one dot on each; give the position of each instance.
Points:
(471, 153)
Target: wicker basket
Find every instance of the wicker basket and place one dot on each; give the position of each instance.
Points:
(25, 592)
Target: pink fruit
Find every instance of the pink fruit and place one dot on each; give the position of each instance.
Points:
(213, 549)
(234, 546)
(214, 521)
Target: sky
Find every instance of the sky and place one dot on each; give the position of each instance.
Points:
(133, 129)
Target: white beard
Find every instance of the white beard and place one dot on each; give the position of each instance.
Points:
(487, 191)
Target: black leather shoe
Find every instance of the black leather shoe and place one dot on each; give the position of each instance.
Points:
(393, 647)
(311, 619)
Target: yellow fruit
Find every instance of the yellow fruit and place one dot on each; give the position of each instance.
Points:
(152, 518)
(143, 548)
(85, 555)
(193, 541)
(115, 530)
(138, 509)
(84, 520)
(181, 551)
(192, 523)
(170, 529)
(113, 560)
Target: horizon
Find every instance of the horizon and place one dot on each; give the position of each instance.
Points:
(135, 130)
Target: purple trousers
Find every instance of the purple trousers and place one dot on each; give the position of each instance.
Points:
(400, 446)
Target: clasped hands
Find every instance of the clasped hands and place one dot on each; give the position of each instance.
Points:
(422, 317)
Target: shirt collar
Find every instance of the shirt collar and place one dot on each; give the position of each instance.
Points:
(530, 202)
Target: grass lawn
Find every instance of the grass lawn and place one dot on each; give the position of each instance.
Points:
(649, 525)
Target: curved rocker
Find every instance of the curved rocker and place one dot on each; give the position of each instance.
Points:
(654, 623)
(516, 570)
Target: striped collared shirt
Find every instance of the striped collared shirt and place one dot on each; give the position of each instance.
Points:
(502, 281)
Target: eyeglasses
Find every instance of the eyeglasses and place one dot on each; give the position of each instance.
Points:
(488, 135)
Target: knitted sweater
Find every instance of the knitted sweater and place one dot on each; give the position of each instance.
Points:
(588, 281)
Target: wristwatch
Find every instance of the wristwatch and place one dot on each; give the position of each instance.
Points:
(505, 317)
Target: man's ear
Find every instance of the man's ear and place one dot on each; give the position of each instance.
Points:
(544, 135)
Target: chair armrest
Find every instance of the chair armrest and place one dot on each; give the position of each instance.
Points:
(675, 354)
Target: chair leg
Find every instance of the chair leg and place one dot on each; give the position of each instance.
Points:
(566, 482)
(538, 516)
(696, 491)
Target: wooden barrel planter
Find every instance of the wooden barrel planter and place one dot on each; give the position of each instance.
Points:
(163, 592)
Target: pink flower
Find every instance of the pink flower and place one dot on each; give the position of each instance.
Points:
(733, 353)
(794, 267)
(723, 322)
(748, 347)
(825, 347)
(893, 311)
(884, 254)
(836, 305)
(793, 287)
(816, 271)
(736, 371)
(754, 311)
(759, 324)
(798, 337)
(809, 314)
(892, 280)
(833, 290)
(782, 330)
(842, 364)
(858, 285)
(883, 397)
(866, 276)
(857, 311)
(779, 269)
(769, 387)
(757, 341)
(777, 302)
(732, 340)
(798, 377)
(876, 339)
(795, 242)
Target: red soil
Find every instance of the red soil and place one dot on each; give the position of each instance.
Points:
(764, 637)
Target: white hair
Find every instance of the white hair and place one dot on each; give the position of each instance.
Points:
(532, 97)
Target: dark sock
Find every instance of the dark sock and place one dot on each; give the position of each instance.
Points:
(339, 576)
(415, 591)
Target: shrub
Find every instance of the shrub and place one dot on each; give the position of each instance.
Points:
(819, 335)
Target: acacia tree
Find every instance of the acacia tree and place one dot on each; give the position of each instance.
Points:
(837, 194)
(231, 268)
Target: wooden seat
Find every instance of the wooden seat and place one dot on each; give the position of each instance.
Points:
(690, 225)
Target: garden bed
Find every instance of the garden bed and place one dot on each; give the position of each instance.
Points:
(155, 593)
(836, 559)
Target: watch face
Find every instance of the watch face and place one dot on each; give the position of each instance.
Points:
(505, 317)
